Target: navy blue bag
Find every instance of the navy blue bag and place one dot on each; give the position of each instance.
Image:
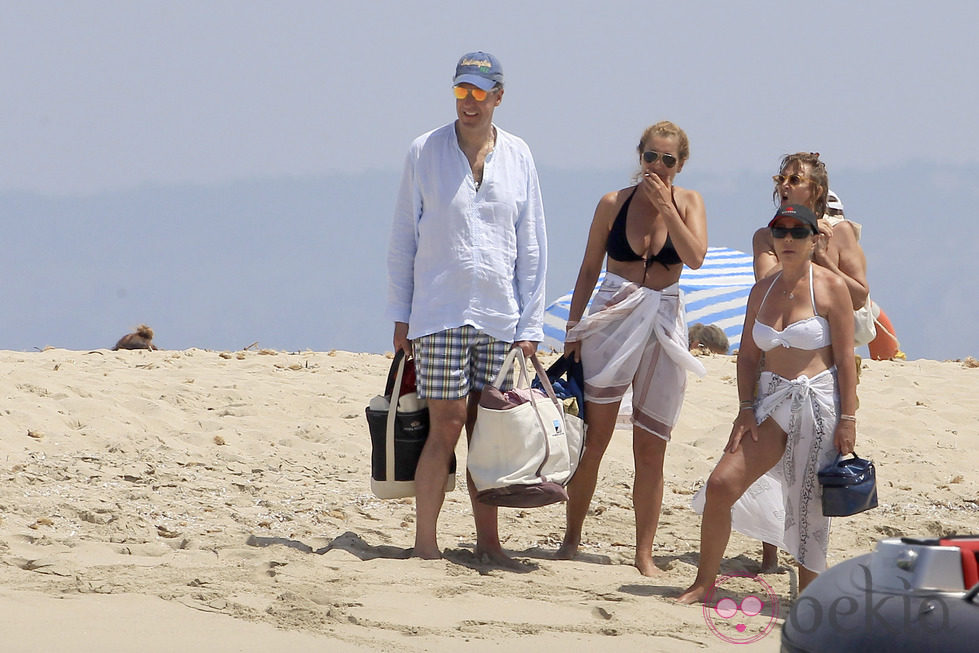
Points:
(568, 380)
(849, 486)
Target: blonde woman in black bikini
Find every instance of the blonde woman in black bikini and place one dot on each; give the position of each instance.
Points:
(636, 333)
(802, 318)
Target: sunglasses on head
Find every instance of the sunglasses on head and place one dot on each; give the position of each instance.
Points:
(794, 180)
(461, 92)
(797, 233)
(650, 156)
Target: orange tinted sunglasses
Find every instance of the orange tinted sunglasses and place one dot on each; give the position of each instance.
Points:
(461, 92)
(794, 180)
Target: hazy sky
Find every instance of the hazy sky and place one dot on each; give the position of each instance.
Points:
(108, 95)
(208, 128)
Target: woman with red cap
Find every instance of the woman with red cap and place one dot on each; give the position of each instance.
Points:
(797, 391)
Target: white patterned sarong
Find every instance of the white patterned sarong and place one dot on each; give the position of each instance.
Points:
(806, 409)
(636, 335)
(784, 507)
(759, 513)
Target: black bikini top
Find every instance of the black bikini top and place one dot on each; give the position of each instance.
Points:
(618, 248)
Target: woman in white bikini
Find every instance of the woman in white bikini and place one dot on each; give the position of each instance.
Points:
(803, 414)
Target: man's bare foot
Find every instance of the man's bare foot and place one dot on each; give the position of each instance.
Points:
(646, 566)
(426, 553)
(694, 594)
(497, 558)
(568, 550)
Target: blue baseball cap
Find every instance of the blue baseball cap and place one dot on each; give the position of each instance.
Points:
(481, 69)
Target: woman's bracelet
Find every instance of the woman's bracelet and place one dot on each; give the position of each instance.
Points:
(747, 403)
(849, 418)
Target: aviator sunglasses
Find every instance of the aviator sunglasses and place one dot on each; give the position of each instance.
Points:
(794, 180)
(461, 92)
(797, 233)
(650, 156)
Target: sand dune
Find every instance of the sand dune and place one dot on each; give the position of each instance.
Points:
(200, 500)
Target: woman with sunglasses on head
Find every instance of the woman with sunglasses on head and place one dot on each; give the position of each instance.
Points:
(802, 179)
(797, 390)
(635, 333)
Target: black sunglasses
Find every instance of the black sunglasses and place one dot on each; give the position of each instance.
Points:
(797, 233)
(650, 156)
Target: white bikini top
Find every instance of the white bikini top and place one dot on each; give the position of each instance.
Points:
(808, 333)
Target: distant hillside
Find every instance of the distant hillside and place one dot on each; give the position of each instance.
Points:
(300, 263)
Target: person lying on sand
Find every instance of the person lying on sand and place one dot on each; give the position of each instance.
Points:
(141, 339)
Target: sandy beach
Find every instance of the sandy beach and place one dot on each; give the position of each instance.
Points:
(219, 501)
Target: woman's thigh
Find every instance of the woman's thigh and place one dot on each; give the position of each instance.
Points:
(601, 425)
(738, 470)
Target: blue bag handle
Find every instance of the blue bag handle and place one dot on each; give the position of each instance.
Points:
(846, 468)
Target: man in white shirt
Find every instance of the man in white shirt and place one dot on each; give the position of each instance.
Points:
(466, 266)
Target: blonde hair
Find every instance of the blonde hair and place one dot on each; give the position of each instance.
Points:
(817, 175)
(669, 130)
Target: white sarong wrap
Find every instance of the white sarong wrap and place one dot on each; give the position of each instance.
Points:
(806, 409)
(622, 334)
(759, 513)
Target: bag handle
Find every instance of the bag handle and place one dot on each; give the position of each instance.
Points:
(394, 392)
(841, 458)
(508, 365)
(516, 354)
(389, 384)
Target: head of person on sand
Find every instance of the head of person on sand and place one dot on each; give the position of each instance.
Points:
(141, 338)
(707, 338)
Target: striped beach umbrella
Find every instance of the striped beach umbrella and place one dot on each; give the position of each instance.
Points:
(717, 293)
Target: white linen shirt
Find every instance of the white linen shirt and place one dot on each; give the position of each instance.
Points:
(458, 255)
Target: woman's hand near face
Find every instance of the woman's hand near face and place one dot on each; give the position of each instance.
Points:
(659, 193)
(825, 228)
(820, 252)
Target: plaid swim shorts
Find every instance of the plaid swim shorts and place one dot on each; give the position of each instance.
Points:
(453, 362)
